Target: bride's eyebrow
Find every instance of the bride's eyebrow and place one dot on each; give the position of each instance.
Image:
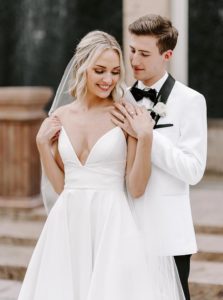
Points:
(99, 66)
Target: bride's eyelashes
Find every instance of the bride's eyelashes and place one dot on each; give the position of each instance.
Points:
(102, 71)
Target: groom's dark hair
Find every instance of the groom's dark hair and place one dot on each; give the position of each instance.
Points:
(158, 27)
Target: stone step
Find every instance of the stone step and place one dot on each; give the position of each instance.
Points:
(19, 232)
(9, 289)
(210, 247)
(206, 280)
(14, 261)
(37, 214)
(13, 205)
(209, 229)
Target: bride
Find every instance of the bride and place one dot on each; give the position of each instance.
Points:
(91, 247)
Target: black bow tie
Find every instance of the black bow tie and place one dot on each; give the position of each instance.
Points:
(138, 94)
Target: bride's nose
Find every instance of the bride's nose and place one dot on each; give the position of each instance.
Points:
(107, 79)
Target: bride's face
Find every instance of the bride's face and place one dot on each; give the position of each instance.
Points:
(104, 74)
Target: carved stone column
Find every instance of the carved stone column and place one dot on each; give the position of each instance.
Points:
(21, 112)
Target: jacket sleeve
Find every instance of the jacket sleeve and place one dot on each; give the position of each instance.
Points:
(186, 159)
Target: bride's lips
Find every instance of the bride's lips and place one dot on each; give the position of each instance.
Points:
(104, 87)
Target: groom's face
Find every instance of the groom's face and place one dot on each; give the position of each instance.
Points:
(147, 63)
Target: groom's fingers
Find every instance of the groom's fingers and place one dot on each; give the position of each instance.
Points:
(131, 109)
(117, 122)
(129, 105)
(118, 115)
(124, 111)
(121, 101)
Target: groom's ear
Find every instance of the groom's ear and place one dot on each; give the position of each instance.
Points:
(168, 54)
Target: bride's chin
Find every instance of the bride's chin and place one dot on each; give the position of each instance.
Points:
(103, 95)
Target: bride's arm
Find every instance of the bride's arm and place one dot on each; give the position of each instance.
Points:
(138, 168)
(138, 123)
(51, 162)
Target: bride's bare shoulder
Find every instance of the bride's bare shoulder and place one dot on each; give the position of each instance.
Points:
(65, 109)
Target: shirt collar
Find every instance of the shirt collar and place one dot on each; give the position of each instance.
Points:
(157, 85)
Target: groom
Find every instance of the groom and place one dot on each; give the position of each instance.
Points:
(179, 138)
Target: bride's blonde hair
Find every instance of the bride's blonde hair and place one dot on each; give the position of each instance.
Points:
(88, 50)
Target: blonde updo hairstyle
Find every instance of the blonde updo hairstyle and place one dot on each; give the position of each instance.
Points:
(88, 50)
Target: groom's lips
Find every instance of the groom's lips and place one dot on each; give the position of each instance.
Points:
(137, 69)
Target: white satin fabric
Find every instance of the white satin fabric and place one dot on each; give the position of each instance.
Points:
(90, 247)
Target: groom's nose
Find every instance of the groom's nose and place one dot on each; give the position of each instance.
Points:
(135, 60)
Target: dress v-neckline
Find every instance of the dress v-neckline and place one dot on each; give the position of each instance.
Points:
(83, 164)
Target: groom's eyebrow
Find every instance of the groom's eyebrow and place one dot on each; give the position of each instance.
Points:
(145, 51)
(140, 50)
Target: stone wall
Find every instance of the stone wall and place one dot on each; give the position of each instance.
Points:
(215, 146)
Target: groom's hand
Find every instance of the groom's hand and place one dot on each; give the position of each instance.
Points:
(136, 121)
(130, 107)
(119, 116)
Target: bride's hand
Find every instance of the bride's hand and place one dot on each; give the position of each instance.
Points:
(49, 130)
(136, 121)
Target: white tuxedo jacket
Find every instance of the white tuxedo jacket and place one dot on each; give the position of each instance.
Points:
(178, 160)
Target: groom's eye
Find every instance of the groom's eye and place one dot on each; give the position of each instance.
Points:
(144, 54)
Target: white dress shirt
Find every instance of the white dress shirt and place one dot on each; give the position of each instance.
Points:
(157, 86)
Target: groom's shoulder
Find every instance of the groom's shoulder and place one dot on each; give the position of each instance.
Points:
(185, 97)
(186, 91)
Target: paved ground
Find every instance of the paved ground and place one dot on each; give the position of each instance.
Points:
(206, 278)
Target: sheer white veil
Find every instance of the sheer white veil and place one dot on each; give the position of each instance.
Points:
(61, 98)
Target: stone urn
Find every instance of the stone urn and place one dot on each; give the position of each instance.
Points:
(21, 113)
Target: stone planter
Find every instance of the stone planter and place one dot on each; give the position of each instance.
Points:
(21, 113)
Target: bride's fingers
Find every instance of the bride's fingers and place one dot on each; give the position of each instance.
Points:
(55, 119)
(56, 135)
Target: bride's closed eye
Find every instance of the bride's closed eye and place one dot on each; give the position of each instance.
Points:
(102, 71)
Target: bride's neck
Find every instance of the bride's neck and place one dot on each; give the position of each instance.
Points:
(91, 101)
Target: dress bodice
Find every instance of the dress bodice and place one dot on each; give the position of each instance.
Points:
(104, 167)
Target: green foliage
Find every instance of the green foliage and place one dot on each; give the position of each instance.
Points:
(206, 52)
(38, 37)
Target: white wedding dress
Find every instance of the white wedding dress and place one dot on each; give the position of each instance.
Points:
(90, 247)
